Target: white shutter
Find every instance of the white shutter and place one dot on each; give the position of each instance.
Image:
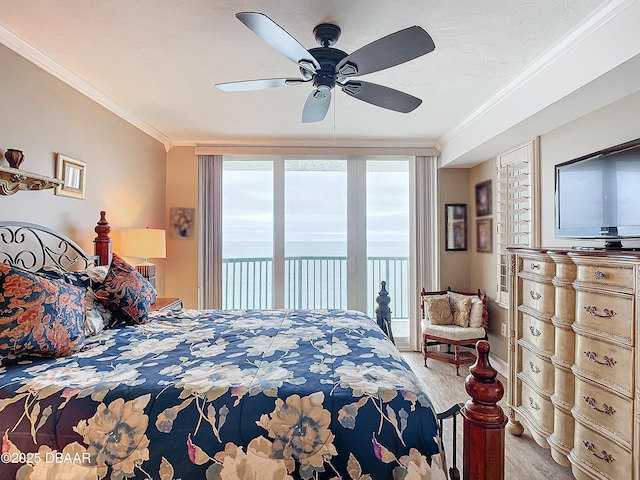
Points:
(518, 216)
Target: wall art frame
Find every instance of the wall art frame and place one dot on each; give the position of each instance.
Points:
(455, 220)
(484, 233)
(181, 222)
(73, 174)
(484, 198)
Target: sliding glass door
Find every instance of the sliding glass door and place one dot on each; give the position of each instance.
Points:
(316, 233)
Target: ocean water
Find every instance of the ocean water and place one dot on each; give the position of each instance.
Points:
(248, 249)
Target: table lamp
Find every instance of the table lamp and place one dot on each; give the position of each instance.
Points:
(146, 243)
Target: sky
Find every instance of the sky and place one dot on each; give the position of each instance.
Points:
(315, 207)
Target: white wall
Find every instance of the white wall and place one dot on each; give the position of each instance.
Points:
(125, 173)
(616, 123)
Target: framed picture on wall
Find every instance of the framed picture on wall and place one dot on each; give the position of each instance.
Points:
(73, 173)
(483, 198)
(455, 217)
(485, 235)
(182, 222)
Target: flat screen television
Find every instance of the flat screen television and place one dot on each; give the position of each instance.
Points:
(597, 196)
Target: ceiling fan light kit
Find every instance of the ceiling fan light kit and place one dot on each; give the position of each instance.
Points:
(325, 66)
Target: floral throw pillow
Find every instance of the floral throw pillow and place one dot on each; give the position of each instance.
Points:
(126, 293)
(461, 307)
(39, 317)
(438, 309)
(97, 316)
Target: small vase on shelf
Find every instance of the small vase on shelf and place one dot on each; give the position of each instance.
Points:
(14, 157)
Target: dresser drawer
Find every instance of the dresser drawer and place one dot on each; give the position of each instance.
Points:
(539, 296)
(607, 364)
(538, 333)
(608, 312)
(604, 408)
(605, 275)
(539, 370)
(536, 407)
(535, 265)
(600, 454)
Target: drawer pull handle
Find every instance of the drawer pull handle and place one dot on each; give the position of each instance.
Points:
(598, 275)
(534, 368)
(593, 312)
(535, 266)
(605, 456)
(534, 331)
(608, 361)
(534, 404)
(535, 295)
(592, 403)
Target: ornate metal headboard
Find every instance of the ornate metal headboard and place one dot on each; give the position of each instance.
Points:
(30, 246)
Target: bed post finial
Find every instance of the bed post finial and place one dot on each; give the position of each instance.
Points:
(484, 420)
(102, 243)
(383, 312)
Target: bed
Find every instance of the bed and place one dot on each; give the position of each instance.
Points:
(106, 387)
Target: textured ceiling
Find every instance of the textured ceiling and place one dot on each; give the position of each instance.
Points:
(159, 60)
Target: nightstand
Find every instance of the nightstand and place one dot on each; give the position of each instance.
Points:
(167, 304)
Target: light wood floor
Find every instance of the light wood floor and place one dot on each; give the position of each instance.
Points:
(524, 459)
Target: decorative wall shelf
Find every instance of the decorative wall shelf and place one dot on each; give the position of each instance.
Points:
(14, 179)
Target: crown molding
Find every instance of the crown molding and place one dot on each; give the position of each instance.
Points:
(247, 149)
(580, 33)
(46, 63)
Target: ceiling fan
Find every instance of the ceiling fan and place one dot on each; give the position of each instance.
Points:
(327, 67)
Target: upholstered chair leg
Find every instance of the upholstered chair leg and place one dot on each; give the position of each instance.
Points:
(458, 360)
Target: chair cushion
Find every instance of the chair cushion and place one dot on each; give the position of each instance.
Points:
(452, 332)
(438, 309)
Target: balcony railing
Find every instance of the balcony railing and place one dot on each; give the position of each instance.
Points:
(312, 282)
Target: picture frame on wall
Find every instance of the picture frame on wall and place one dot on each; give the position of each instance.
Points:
(455, 217)
(484, 232)
(483, 198)
(182, 222)
(73, 173)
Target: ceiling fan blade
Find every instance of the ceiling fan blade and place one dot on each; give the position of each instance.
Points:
(386, 52)
(384, 97)
(247, 85)
(278, 38)
(316, 106)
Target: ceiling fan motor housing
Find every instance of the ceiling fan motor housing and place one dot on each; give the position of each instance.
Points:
(326, 34)
(328, 58)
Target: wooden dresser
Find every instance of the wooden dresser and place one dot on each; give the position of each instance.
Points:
(572, 357)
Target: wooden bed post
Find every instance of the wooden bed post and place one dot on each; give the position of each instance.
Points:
(383, 312)
(484, 421)
(102, 243)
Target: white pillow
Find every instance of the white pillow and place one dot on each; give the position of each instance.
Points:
(475, 317)
(97, 316)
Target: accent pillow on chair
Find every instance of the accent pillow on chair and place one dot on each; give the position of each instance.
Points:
(39, 317)
(461, 307)
(438, 310)
(476, 319)
(126, 293)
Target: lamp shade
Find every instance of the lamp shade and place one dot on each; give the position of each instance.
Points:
(146, 243)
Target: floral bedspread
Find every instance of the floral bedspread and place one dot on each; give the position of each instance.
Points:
(276, 394)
